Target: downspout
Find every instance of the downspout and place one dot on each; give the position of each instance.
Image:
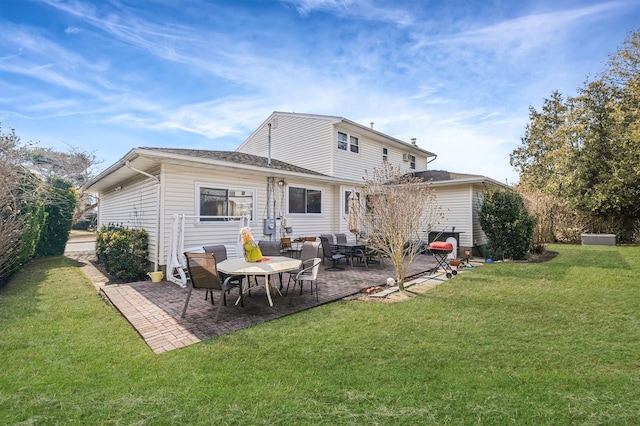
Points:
(157, 179)
(433, 159)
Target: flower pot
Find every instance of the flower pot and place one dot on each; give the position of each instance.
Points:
(156, 277)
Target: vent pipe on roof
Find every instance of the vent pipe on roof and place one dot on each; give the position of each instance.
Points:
(371, 125)
(413, 141)
(269, 147)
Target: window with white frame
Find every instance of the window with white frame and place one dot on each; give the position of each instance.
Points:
(342, 141)
(412, 162)
(303, 200)
(353, 144)
(385, 154)
(224, 204)
(348, 142)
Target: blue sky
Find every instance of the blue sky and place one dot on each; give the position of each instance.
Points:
(107, 76)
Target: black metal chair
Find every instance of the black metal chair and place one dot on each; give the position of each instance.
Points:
(203, 274)
(219, 251)
(360, 256)
(329, 253)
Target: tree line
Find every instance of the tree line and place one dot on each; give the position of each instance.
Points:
(40, 197)
(579, 159)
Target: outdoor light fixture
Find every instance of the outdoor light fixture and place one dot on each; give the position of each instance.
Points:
(281, 183)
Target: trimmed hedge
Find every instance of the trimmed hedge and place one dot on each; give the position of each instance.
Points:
(59, 208)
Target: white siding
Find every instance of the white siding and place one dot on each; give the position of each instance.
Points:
(312, 143)
(455, 204)
(302, 141)
(181, 195)
(133, 206)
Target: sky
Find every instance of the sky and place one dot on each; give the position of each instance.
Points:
(107, 76)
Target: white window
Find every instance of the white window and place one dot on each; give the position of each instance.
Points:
(342, 141)
(218, 204)
(348, 143)
(412, 162)
(303, 200)
(353, 144)
(385, 154)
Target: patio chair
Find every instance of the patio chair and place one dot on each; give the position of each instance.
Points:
(341, 238)
(309, 272)
(360, 255)
(329, 253)
(204, 275)
(309, 251)
(329, 237)
(270, 248)
(219, 251)
(285, 245)
(375, 256)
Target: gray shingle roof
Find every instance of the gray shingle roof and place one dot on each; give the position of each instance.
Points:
(443, 175)
(236, 157)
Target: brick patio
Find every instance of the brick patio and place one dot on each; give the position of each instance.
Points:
(154, 309)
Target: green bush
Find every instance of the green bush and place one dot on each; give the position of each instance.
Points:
(22, 217)
(507, 224)
(61, 202)
(122, 251)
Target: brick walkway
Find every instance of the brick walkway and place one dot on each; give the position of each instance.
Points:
(154, 309)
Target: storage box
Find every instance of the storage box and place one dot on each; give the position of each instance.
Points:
(598, 239)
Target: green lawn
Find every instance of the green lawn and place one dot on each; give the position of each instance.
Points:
(507, 343)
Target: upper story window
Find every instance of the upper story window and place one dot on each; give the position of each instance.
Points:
(348, 143)
(412, 162)
(224, 204)
(303, 200)
(385, 154)
(342, 141)
(353, 144)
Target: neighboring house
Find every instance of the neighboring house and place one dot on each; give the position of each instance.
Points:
(295, 171)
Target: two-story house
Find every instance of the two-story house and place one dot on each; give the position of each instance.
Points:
(292, 175)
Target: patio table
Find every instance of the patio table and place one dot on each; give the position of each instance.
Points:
(265, 268)
(350, 248)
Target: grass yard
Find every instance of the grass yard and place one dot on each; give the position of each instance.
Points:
(509, 343)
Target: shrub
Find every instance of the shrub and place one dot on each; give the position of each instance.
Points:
(507, 224)
(122, 251)
(61, 202)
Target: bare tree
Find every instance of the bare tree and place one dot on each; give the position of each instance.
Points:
(75, 166)
(398, 213)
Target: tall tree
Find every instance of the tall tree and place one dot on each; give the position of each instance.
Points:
(545, 157)
(585, 149)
